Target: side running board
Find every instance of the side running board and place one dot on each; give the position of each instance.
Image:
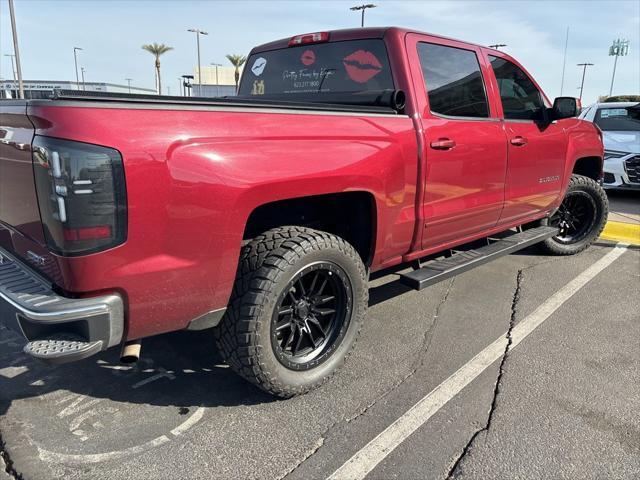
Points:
(437, 270)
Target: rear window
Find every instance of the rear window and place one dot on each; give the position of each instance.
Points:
(349, 66)
(616, 119)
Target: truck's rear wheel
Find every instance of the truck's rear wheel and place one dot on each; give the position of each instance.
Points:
(580, 218)
(297, 307)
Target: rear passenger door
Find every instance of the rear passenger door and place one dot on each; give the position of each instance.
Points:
(536, 149)
(464, 146)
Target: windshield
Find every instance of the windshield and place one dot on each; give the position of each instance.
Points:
(338, 67)
(616, 119)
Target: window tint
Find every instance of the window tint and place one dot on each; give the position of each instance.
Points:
(521, 100)
(616, 119)
(349, 66)
(453, 81)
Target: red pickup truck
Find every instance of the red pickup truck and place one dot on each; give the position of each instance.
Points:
(262, 215)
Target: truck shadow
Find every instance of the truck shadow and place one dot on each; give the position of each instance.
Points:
(180, 369)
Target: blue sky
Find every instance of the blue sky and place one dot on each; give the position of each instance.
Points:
(112, 31)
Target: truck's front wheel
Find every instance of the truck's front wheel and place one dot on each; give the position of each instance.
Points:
(580, 218)
(298, 304)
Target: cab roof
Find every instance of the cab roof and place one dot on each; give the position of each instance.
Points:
(356, 34)
(615, 104)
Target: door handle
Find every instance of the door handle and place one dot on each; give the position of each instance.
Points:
(443, 144)
(518, 141)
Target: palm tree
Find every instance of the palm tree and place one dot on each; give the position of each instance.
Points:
(157, 50)
(237, 61)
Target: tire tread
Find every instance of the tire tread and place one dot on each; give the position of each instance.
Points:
(261, 259)
(585, 183)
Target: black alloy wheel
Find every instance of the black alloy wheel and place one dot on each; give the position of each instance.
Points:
(580, 218)
(575, 217)
(296, 309)
(311, 316)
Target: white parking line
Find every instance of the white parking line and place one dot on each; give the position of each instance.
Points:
(190, 422)
(12, 372)
(365, 460)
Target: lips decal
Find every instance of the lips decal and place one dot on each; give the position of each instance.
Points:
(362, 66)
(308, 57)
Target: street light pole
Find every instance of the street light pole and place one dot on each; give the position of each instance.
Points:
(129, 83)
(217, 82)
(496, 46)
(584, 71)
(75, 61)
(613, 76)
(198, 32)
(619, 48)
(564, 61)
(362, 8)
(83, 84)
(13, 70)
(16, 50)
(13, 66)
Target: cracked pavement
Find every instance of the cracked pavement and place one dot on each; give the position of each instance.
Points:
(3, 470)
(496, 389)
(560, 405)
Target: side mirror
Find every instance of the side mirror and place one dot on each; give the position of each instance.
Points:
(565, 107)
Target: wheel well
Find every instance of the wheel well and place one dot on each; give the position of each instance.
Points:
(349, 215)
(589, 167)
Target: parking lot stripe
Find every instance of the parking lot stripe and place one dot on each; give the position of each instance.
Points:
(190, 422)
(80, 459)
(365, 460)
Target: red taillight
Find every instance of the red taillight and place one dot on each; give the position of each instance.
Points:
(317, 37)
(91, 233)
(81, 194)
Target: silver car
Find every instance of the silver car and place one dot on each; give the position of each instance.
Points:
(621, 137)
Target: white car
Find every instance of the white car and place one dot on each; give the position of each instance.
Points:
(621, 137)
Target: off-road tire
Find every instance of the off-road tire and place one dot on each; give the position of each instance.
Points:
(596, 192)
(267, 263)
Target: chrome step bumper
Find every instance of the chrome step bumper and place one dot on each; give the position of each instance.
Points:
(29, 305)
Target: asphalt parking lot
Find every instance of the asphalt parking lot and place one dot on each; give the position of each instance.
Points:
(523, 368)
(625, 206)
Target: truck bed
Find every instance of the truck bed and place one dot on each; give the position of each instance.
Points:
(195, 170)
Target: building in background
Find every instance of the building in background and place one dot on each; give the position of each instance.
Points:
(217, 81)
(44, 88)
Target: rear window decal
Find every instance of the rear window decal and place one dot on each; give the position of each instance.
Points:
(258, 66)
(258, 87)
(345, 66)
(613, 112)
(307, 80)
(362, 66)
(308, 57)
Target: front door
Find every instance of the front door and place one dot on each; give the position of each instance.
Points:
(463, 141)
(536, 149)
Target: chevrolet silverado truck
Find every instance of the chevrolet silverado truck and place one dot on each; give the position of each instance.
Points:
(262, 215)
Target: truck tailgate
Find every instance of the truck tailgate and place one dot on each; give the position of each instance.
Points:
(18, 201)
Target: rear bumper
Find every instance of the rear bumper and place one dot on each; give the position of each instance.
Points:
(29, 305)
